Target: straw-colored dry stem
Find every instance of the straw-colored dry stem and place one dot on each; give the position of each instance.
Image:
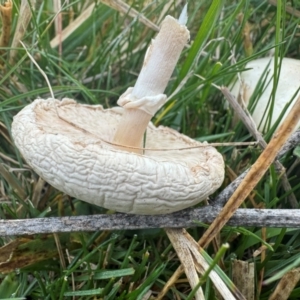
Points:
(74, 25)
(23, 21)
(177, 238)
(286, 285)
(58, 24)
(254, 175)
(187, 247)
(6, 16)
(127, 9)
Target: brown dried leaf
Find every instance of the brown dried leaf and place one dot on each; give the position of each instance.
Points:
(24, 252)
(286, 285)
(261, 249)
(244, 277)
(6, 17)
(21, 27)
(123, 7)
(181, 247)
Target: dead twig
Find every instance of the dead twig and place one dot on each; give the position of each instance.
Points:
(185, 218)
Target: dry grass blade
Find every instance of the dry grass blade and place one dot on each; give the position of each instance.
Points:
(60, 251)
(23, 21)
(58, 22)
(172, 280)
(286, 285)
(243, 277)
(243, 115)
(72, 26)
(178, 241)
(186, 247)
(6, 16)
(123, 7)
(117, 5)
(254, 175)
(11, 160)
(166, 8)
(42, 72)
(202, 266)
(12, 182)
(4, 132)
(37, 192)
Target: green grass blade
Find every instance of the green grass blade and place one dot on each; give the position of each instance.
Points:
(202, 36)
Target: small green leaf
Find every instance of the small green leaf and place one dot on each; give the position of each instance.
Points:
(296, 151)
(8, 286)
(84, 293)
(203, 35)
(106, 274)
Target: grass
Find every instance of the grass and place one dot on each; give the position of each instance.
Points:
(96, 63)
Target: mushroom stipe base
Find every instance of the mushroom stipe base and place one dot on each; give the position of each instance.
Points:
(63, 141)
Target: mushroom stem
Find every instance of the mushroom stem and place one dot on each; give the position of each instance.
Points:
(161, 58)
(141, 102)
(131, 129)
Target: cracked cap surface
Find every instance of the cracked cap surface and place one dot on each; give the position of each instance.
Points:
(66, 144)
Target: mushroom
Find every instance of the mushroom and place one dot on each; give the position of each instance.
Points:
(96, 154)
(288, 85)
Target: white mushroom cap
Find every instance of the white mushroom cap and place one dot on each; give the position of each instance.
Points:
(288, 84)
(76, 159)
